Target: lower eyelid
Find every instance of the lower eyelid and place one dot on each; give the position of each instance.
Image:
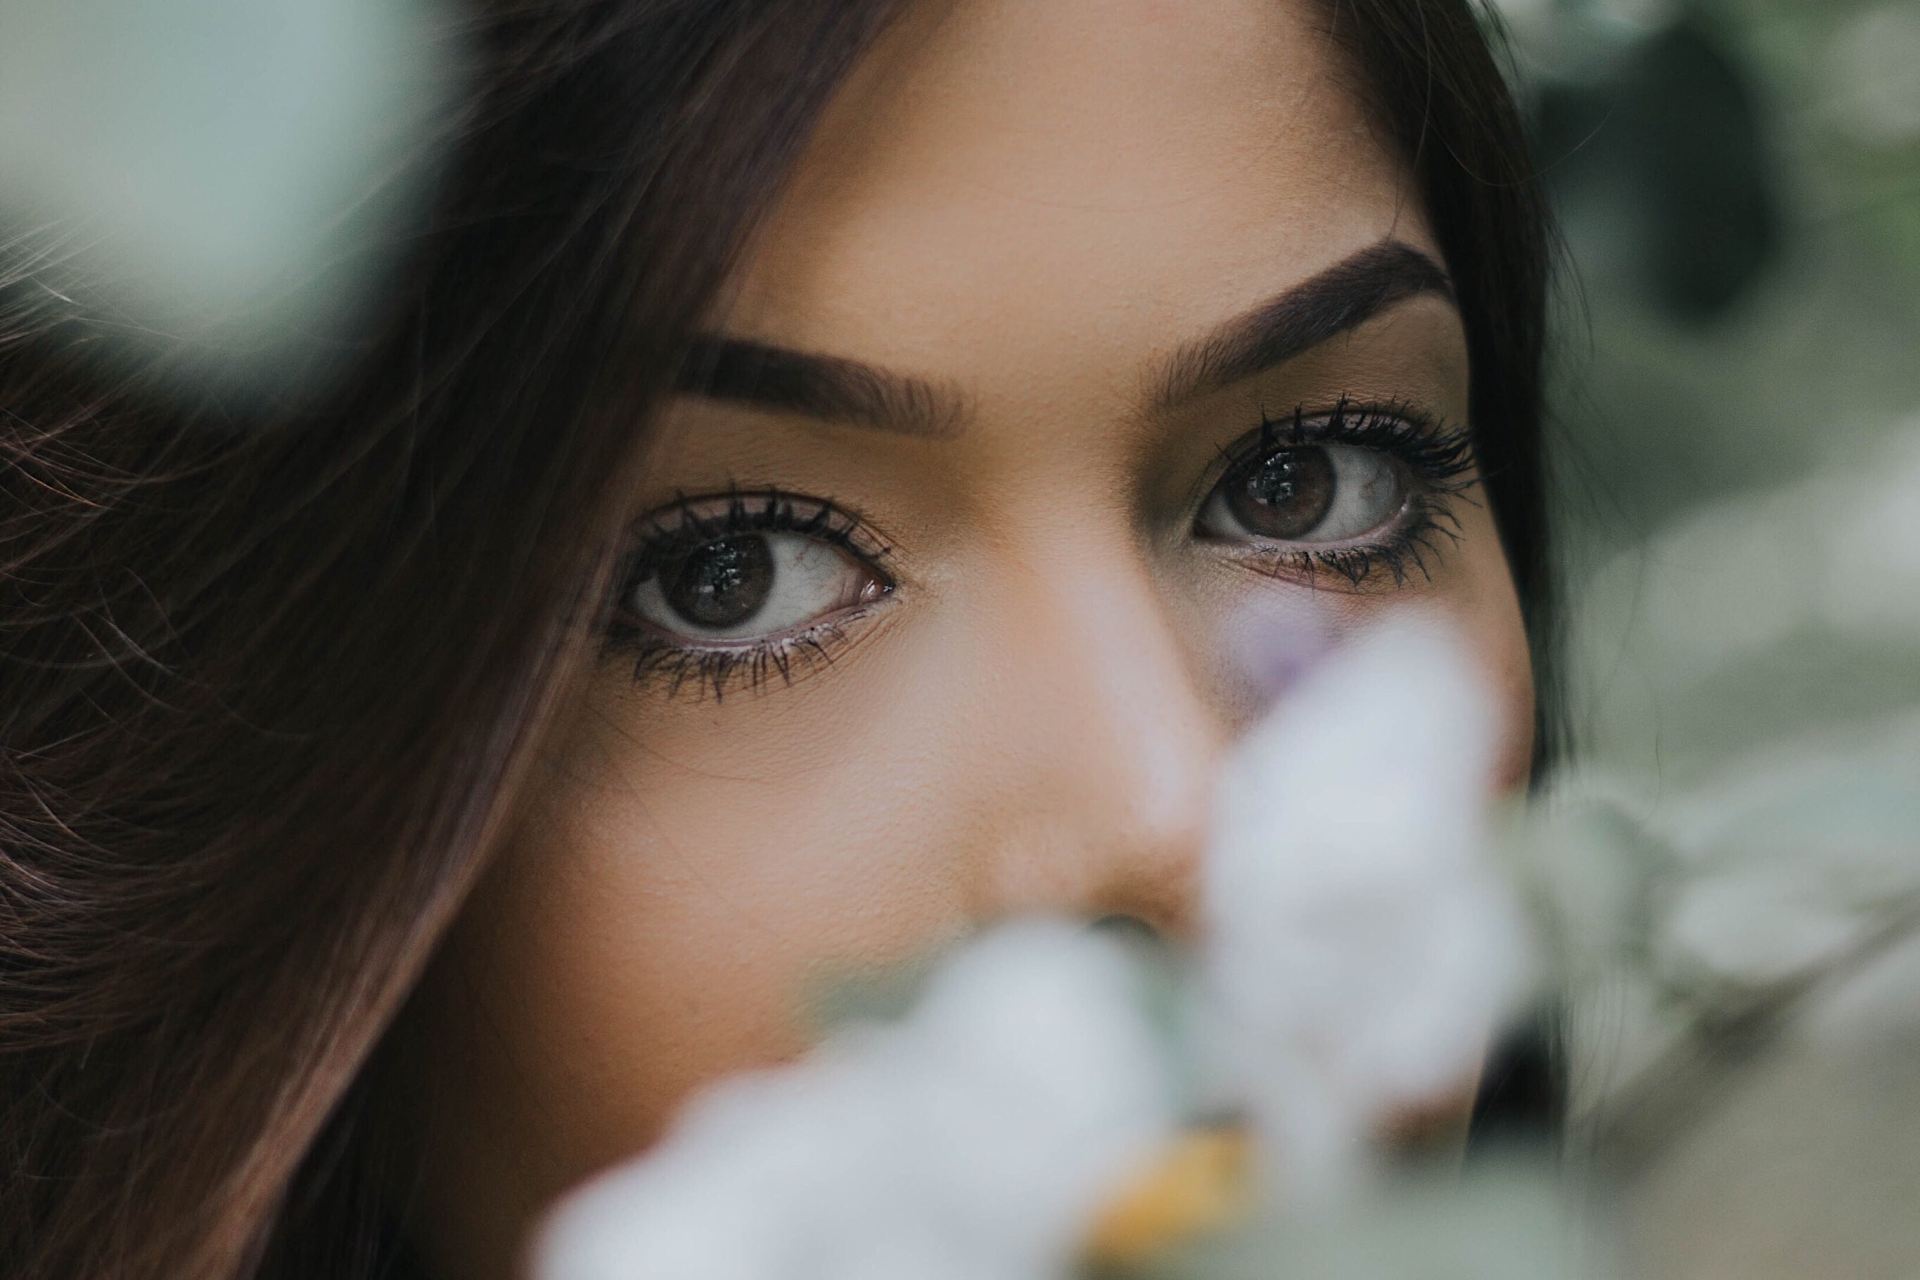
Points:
(1413, 543)
(718, 669)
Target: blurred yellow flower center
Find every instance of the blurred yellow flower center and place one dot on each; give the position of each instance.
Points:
(1201, 1183)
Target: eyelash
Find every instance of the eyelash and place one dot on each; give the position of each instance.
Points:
(1439, 457)
(717, 668)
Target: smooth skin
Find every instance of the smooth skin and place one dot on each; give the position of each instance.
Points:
(1030, 208)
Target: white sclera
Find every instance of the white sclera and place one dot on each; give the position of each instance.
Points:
(1367, 493)
(810, 579)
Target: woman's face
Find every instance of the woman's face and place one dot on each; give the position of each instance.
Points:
(1093, 369)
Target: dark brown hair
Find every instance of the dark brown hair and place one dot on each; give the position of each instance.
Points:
(266, 689)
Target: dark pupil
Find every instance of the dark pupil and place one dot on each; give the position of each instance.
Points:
(1285, 494)
(721, 584)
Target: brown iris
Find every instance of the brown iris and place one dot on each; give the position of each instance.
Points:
(1284, 494)
(720, 584)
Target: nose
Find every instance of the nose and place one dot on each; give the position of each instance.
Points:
(1106, 749)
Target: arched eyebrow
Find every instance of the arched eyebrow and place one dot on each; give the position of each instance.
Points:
(834, 389)
(1343, 297)
(826, 387)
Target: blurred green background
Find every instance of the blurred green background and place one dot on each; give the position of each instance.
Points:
(1737, 366)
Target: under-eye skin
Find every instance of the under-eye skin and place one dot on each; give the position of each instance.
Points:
(741, 587)
(1363, 491)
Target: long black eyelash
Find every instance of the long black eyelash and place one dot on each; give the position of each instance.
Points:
(716, 670)
(680, 529)
(1442, 461)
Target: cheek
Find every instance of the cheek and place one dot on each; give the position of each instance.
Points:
(667, 913)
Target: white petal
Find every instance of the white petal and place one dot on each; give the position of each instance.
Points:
(973, 1140)
(1359, 950)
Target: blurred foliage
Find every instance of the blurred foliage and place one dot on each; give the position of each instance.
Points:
(1739, 188)
(1737, 442)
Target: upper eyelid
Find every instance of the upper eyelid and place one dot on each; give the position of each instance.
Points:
(681, 523)
(1451, 452)
(1318, 426)
(1277, 432)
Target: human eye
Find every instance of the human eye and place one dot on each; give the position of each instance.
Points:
(736, 588)
(1360, 491)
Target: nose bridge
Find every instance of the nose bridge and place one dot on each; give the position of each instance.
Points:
(1112, 749)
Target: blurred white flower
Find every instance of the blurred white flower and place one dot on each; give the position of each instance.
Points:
(1359, 955)
(209, 181)
(1359, 949)
(975, 1140)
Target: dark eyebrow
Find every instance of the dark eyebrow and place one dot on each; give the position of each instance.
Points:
(835, 389)
(825, 387)
(1344, 296)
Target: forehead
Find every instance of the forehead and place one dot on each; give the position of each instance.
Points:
(1006, 186)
